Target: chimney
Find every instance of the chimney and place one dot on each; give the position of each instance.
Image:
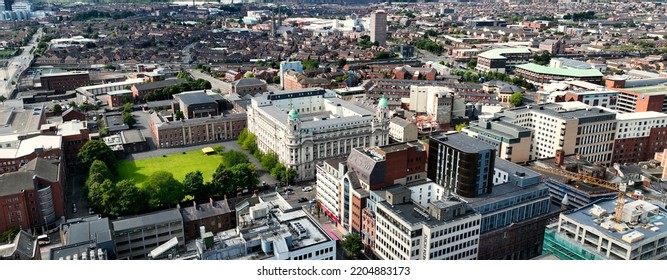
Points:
(210, 200)
(194, 203)
(560, 157)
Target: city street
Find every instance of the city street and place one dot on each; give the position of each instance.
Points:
(16, 65)
(215, 83)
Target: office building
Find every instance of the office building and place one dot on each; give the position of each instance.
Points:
(18, 150)
(512, 141)
(502, 60)
(62, 82)
(610, 229)
(214, 217)
(462, 164)
(639, 136)
(304, 127)
(578, 129)
(330, 190)
(434, 101)
(267, 231)
(135, 237)
(514, 214)
(118, 98)
(140, 90)
(378, 27)
(402, 130)
(81, 236)
(540, 75)
(446, 229)
(195, 104)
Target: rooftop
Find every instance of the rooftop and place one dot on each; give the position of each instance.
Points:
(640, 115)
(194, 97)
(45, 75)
(120, 92)
(499, 52)
(651, 227)
(532, 67)
(159, 84)
(205, 210)
(132, 136)
(660, 89)
(161, 217)
(463, 142)
(17, 182)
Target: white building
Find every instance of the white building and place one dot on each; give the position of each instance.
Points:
(267, 232)
(440, 230)
(305, 126)
(329, 176)
(401, 130)
(22, 6)
(432, 100)
(639, 124)
(574, 127)
(593, 231)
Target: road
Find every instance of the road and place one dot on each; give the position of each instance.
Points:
(215, 83)
(16, 65)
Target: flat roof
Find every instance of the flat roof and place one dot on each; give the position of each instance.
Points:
(120, 92)
(648, 90)
(64, 74)
(583, 216)
(532, 67)
(498, 53)
(463, 142)
(640, 115)
(195, 97)
(165, 216)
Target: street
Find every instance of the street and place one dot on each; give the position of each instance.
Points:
(16, 65)
(215, 83)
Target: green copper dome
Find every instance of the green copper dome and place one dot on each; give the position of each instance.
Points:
(383, 102)
(293, 114)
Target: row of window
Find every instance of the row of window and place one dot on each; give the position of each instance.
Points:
(451, 249)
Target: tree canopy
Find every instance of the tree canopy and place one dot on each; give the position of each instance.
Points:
(164, 189)
(516, 99)
(96, 150)
(352, 244)
(233, 157)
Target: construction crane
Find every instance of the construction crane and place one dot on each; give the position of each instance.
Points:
(620, 189)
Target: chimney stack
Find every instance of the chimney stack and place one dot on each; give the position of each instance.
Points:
(194, 203)
(210, 199)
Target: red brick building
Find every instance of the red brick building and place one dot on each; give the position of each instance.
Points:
(19, 150)
(32, 196)
(61, 82)
(74, 135)
(414, 73)
(214, 216)
(639, 136)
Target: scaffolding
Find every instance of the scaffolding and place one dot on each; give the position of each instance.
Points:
(565, 249)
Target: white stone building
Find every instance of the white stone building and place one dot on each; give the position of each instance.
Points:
(305, 126)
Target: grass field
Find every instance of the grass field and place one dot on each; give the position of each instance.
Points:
(177, 164)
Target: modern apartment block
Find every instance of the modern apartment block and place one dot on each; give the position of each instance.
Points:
(597, 231)
(461, 164)
(446, 229)
(639, 136)
(304, 127)
(378, 27)
(135, 237)
(330, 190)
(588, 131)
(512, 141)
(502, 60)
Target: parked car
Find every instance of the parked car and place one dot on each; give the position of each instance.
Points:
(289, 192)
(307, 189)
(302, 200)
(90, 211)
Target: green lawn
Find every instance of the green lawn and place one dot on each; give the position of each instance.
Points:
(177, 164)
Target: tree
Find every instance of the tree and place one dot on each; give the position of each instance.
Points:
(125, 198)
(542, 59)
(249, 143)
(516, 99)
(460, 126)
(472, 63)
(278, 172)
(127, 107)
(193, 184)
(309, 64)
(342, 62)
(84, 107)
(382, 55)
(129, 119)
(244, 176)
(221, 182)
(179, 115)
(233, 157)
(96, 150)
(276, 79)
(249, 75)
(352, 244)
(269, 161)
(290, 174)
(242, 136)
(96, 192)
(164, 189)
(57, 109)
(100, 168)
(9, 235)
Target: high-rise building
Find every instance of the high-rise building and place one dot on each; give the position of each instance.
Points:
(639, 136)
(379, 27)
(6, 5)
(461, 164)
